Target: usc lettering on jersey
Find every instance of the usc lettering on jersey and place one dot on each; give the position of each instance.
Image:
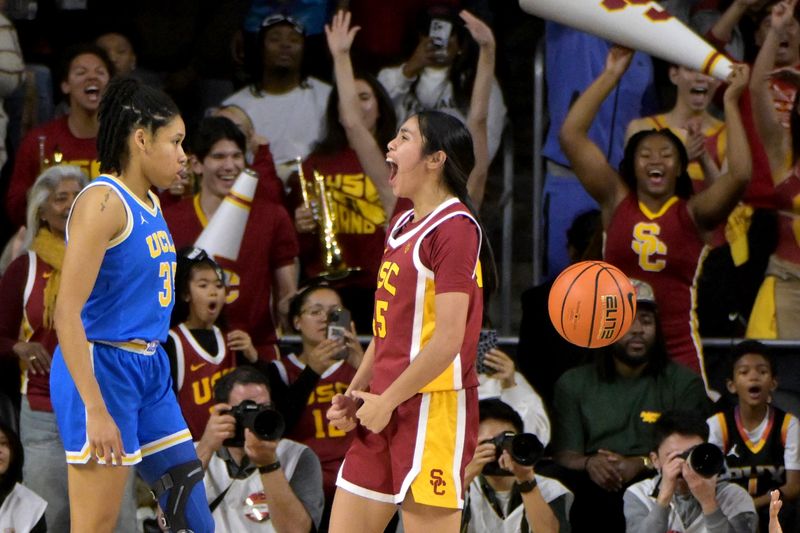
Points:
(405, 311)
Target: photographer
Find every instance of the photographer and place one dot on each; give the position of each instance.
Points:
(505, 495)
(259, 484)
(680, 498)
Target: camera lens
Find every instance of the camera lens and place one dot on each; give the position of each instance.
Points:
(267, 424)
(526, 449)
(706, 459)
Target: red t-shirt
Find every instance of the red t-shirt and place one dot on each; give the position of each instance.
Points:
(27, 165)
(665, 250)
(436, 255)
(268, 244)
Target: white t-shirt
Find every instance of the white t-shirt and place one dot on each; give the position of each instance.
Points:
(292, 121)
(434, 91)
(484, 519)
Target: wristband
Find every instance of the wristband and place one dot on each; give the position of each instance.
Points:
(586, 462)
(266, 469)
(526, 486)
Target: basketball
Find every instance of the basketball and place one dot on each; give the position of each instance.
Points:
(592, 304)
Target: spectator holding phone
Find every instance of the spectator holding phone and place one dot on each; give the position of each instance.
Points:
(499, 379)
(331, 354)
(440, 75)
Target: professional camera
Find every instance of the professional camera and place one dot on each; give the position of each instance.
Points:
(524, 448)
(265, 422)
(705, 459)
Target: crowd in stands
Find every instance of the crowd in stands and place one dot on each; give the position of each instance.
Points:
(689, 185)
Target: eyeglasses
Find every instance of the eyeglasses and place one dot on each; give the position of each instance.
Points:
(277, 18)
(318, 311)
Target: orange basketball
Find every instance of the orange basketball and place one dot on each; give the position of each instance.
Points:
(592, 304)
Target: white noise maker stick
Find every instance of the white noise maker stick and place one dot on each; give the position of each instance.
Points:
(638, 24)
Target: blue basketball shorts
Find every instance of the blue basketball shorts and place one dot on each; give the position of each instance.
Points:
(137, 390)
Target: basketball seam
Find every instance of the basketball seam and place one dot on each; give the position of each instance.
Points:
(569, 288)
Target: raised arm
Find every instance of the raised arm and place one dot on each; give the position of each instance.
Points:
(712, 206)
(97, 217)
(722, 30)
(478, 116)
(774, 137)
(589, 163)
(371, 156)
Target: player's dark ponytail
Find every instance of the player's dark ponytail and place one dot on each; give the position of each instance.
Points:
(126, 105)
(444, 132)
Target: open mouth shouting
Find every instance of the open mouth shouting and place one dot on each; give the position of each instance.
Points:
(392, 169)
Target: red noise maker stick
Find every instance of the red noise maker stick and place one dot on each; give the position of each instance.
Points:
(638, 24)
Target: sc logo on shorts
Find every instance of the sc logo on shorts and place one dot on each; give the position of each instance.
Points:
(437, 481)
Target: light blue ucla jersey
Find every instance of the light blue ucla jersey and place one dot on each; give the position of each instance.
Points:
(133, 296)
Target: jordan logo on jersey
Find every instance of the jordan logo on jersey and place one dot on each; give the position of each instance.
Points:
(733, 451)
(142, 220)
(437, 481)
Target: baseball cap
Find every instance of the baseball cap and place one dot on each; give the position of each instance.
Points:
(644, 292)
(280, 18)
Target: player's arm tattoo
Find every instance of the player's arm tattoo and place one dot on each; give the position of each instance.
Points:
(105, 200)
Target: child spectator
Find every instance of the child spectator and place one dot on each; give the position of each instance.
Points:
(759, 440)
(199, 351)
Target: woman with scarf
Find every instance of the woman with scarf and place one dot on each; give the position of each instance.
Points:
(28, 291)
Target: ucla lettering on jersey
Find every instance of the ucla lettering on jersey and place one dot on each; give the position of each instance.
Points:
(122, 307)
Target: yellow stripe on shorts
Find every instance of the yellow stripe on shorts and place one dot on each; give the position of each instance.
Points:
(441, 455)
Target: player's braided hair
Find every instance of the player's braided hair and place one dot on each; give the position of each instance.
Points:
(444, 132)
(126, 105)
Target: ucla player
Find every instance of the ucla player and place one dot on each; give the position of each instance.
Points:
(110, 382)
(417, 383)
(656, 230)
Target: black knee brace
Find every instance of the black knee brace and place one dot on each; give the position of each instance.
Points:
(179, 481)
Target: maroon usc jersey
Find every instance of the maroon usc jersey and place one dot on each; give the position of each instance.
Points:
(313, 428)
(435, 255)
(197, 372)
(665, 250)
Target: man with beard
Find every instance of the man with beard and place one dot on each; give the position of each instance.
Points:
(604, 416)
(286, 106)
